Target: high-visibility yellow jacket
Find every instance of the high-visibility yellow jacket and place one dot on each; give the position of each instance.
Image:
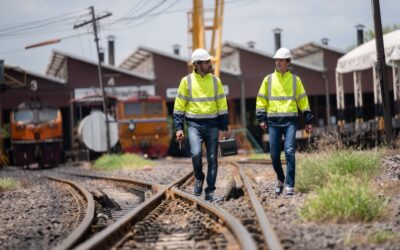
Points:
(280, 97)
(201, 99)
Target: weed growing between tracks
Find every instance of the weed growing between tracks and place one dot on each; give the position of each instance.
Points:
(124, 161)
(7, 183)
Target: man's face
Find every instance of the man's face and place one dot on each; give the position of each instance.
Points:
(205, 66)
(282, 64)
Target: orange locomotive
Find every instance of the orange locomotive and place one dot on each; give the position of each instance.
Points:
(143, 126)
(36, 134)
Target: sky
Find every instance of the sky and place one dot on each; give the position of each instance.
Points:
(159, 24)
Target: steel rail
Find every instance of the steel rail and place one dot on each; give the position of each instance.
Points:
(114, 233)
(77, 235)
(142, 184)
(235, 226)
(268, 231)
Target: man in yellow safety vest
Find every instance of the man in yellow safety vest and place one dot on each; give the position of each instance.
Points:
(280, 96)
(202, 103)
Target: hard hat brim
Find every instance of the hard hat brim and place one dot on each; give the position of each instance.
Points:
(279, 57)
(205, 59)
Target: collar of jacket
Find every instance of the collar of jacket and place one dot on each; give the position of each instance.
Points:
(284, 75)
(199, 77)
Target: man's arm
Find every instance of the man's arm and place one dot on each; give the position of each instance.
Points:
(261, 105)
(180, 104)
(222, 107)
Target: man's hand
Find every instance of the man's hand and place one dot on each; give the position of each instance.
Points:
(179, 135)
(225, 134)
(308, 128)
(264, 126)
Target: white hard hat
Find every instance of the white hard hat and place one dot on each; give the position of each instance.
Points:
(200, 55)
(283, 53)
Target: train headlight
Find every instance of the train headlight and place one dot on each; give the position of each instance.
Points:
(20, 126)
(52, 125)
(131, 126)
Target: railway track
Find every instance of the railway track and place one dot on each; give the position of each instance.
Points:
(236, 196)
(108, 199)
(86, 212)
(170, 217)
(173, 218)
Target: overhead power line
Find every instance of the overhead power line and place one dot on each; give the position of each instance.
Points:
(33, 26)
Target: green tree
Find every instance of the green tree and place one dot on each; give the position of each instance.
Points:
(370, 34)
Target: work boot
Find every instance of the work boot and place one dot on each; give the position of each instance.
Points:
(212, 198)
(198, 187)
(289, 191)
(278, 187)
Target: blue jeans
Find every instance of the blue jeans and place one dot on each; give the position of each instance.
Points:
(275, 136)
(209, 135)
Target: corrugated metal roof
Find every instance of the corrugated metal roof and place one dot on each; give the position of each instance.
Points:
(265, 54)
(311, 48)
(142, 53)
(16, 84)
(58, 57)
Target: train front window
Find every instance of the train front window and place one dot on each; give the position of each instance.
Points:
(23, 115)
(133, 109)
(153, 108)
(46, 115)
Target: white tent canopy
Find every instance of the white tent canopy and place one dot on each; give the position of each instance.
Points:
(364, 56)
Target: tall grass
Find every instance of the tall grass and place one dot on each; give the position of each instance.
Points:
(341, 181)
(343, 198)
(124, 161)
(313, 171)
(7, 183)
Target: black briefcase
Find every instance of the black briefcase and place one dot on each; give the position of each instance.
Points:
(228, 147)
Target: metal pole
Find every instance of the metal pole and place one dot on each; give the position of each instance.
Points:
(1, 127)
(380, 53)
(96, 39)
(242, 102)
(328, 104)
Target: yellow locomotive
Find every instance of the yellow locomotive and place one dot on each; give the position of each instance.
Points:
(143, 125)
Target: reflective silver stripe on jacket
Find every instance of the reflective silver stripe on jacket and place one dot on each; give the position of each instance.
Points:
(302, 96)
(282, 114)
(204, 99)
(183, 97)
(281, 98)
(201, 116)
(262, 96)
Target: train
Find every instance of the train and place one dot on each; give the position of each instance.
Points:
(143, 125)
(36, 134)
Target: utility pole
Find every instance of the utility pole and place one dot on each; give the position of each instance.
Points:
(242, 101)
(93, 21)
(380, 53)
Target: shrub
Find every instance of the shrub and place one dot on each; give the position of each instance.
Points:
(8, 183)
(344, 198)
(314, 170)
